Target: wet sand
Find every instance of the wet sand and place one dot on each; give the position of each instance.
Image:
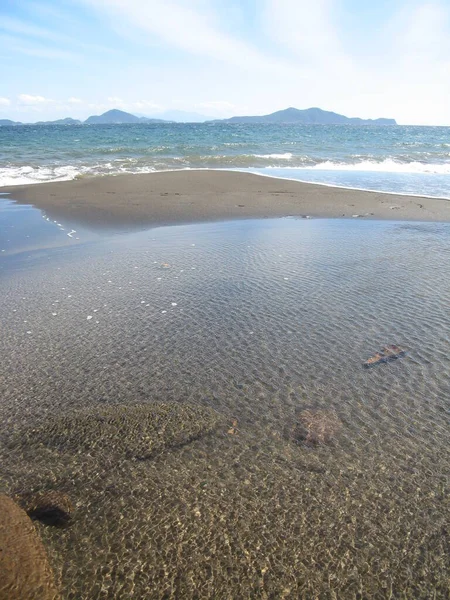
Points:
(127, 202)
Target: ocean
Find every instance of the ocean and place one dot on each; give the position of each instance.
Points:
(400, 159)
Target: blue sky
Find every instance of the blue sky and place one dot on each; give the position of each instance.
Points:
(362, 58)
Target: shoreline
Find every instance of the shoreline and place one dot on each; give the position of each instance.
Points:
(137, 201)
(341, 187)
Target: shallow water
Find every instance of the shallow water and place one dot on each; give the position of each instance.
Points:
(257, 320)
(24, 229)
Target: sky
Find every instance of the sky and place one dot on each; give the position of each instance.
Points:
(364, 58)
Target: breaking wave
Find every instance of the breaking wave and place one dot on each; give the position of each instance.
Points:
(284, 162)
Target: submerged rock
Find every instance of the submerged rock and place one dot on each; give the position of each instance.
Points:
(316, 426)
(387, 354)
(25, 573)
(50, 507)
(138, 431)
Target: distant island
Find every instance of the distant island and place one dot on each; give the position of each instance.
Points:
(66, 121)
(111, 117)
(118, 117)
(309, 116)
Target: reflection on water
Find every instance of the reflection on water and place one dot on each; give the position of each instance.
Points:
(258, 321)
(24, 229)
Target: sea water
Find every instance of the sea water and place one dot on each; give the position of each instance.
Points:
(401, 159)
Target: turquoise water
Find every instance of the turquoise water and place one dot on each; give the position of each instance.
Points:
(402, 159)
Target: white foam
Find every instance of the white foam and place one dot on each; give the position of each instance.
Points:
(284, 156)
(388, 165)
(29, 175)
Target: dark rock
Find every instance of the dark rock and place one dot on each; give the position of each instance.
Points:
(387, 354)
(25, 573)
(50, 507)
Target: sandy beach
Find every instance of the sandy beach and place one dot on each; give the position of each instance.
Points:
(126, 202)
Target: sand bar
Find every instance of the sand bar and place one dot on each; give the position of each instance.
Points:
(126, 202)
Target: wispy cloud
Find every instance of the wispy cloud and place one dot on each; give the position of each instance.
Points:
(29, 31)
(17, 26)
(179, 24)
(410, 67)
(420, 37)
(407, 59)
(5, 101)
(305, 28)
(16, 44)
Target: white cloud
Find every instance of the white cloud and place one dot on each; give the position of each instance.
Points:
(73, 100)
(5, 101)
(115, 100)
(32, 100)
